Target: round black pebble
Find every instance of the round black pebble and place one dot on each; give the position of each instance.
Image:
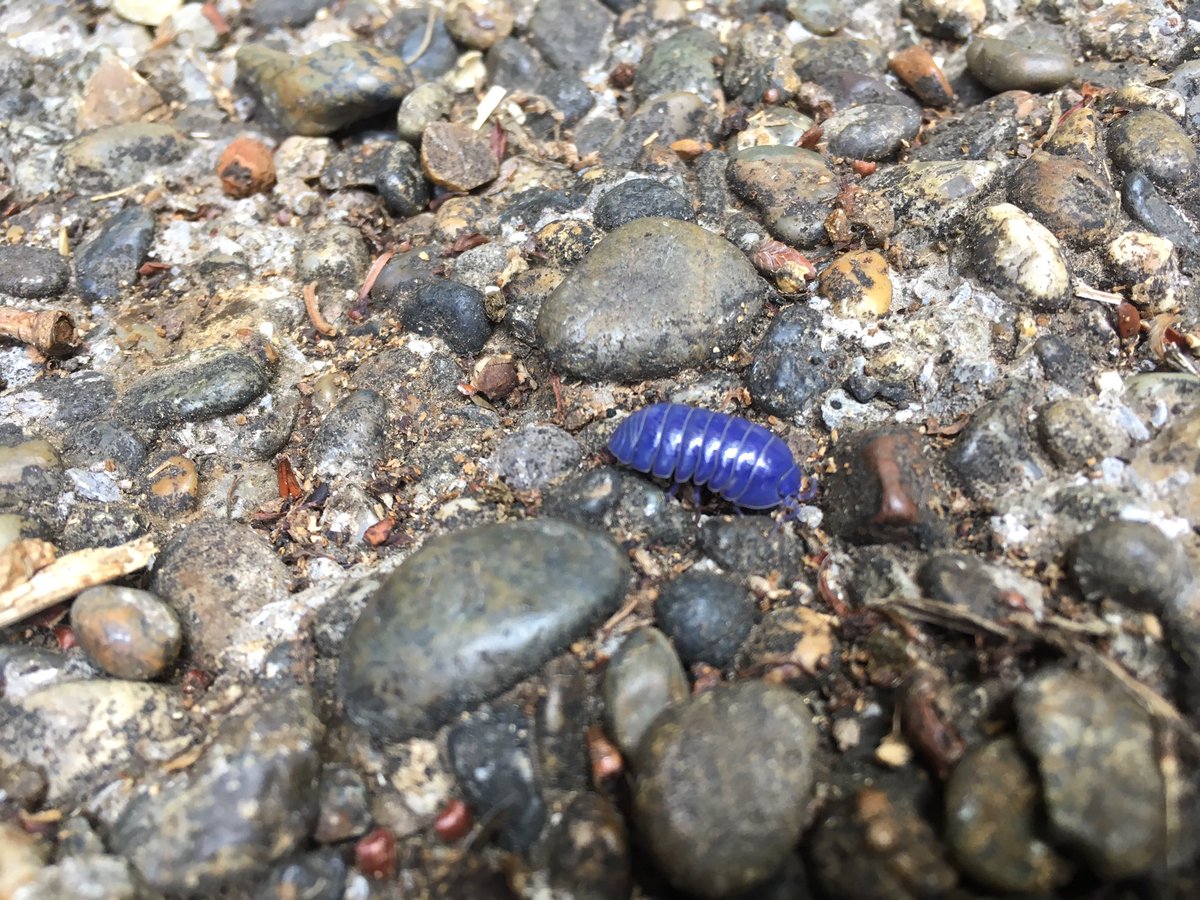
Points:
(706, 615)
(452, 311)
(639, 198)
(401, 183)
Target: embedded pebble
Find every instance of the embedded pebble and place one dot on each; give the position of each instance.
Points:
(1079, 134)
(452, 311)
(350, 440)
(248, 801)
(815, 59)
(1076, 433)
(120, 155)
(1008, 65)
(1095, 751)
(108, 264)
(1153, 143)
(115, 95)
(707, 617)
(334, 256)
(676, 296)
(682, 62)
(515, 592)
(344, 808)
(990, 591)
(30, 470)
(332, 87)
(946, 18)
(535, 456)
(819, 16)
(1133, 563)
(721, 783)
(217, 576)
(457, 157)
(792, 367)
(173, 486)
(479, 23)
(200, 386)
(1068, 196)
(127, 632)
(1148, 208)
(492, 762)
(640, 198)
(858, 284)
(426, 104)
(792, 187)
(643, 678)
(83, 734)
(872, 131)
(32, 272)
(1020, 259)
(661, 120)
(569, 33)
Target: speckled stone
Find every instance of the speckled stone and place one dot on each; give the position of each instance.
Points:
(793, 188)
(469, 615)
(120, 155)
(1096, 752)
(570, 33)
(326, 90)
(334, 256)
(32, 272)
(535, 455)
(721, 786)
(84, 734)
(682, 62)
(1020, 259)
(946, 18)
(792, 368)
(248, 801)
(1151, 142)
(858, 284)
(203, 385)
(217, 575)
(993, 811)
(674, 296)
(457, 157)
(639, 198)
(107, 265)
(1071, 198)
(872, 131)
(455, 312)
(127, 632)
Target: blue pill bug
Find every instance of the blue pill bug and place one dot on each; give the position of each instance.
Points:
(738, 460)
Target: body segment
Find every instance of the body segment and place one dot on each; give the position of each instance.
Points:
(742, 462)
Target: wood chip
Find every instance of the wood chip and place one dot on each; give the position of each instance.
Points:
(70, 574)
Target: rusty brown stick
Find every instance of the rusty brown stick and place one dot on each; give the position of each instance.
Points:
(51, 332)
(314, 311)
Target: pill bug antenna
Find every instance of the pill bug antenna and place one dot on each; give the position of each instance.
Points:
(790, 508)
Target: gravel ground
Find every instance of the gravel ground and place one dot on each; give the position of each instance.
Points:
(318, 319)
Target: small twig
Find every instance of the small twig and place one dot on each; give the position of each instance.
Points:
(70, 574)
(314, 311)
(426, 39)
(120, 192)
(1087, 292)
(373, 274)
(52, 331)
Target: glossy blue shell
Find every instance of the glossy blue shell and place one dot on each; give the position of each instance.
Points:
(743, 462)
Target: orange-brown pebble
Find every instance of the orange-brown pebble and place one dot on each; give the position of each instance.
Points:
(246, 167)
(858, 284)
(924, 77)
(175, 487)
(127, 632)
